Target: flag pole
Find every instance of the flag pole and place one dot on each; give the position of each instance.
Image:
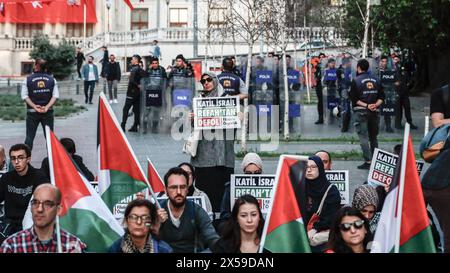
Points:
(401, 188)
(52, 179)
(150, 187)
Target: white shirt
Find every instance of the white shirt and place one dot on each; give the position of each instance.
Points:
(176, 221)
(91, 76)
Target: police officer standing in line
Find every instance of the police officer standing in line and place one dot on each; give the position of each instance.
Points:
(403, 97)
(231, 83)
(319, 93)
(366, 94)
(389, 81)
(236, 71)
(344, 75)
(133, 94)
(154, 93)
(40, 92)
(330, 81)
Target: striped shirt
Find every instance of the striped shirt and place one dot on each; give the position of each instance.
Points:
(26, 241)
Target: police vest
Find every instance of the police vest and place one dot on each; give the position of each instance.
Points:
(330, 77)
(367, 85)
(230, 83)
(40, 88)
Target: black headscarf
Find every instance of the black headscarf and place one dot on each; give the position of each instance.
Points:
(316, 188)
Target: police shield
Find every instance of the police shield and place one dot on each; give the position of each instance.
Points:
(153, 101)
(330, 86)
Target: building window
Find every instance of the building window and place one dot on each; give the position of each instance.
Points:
(76, 30)
(139, 19)
(217, 16)
(178, 17)
(29, 30)
(26, 68)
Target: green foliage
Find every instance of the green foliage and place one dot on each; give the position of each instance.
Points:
(418, 24)
(13, 108)
(59, 58)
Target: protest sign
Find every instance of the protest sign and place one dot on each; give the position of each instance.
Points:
(260, 186)
(216, 113)
(341, 180)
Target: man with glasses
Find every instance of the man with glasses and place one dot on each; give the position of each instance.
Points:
(41, 237)
(16, 188)
(184, 225)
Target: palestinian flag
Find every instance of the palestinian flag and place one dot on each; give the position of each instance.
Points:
(404, 220)
(83, 213)
(120, 176)
(284, 230)
(154, 179)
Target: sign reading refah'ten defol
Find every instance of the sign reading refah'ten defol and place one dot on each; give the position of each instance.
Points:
(216, 113)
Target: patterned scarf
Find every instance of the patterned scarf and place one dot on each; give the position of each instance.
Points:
(128, 246)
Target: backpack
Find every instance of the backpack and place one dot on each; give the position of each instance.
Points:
(433, 143)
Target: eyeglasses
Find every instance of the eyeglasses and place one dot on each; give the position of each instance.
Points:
(254, 172)
(45, 204)
(135, 218)
(358, 224)
(203, 81)
(311, 167)
(174, 187)
(19, 158)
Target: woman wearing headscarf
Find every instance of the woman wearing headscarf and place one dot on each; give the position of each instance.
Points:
(365, 199)
(318, 188)
(214, 161)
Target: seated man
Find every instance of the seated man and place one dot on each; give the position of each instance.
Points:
(184, 225)
(16, 188)
(41, 237)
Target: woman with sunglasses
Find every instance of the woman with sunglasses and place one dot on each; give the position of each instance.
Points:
(140, 215)
(350, 232)
(214, 161)
(243, 231)
(319, 198)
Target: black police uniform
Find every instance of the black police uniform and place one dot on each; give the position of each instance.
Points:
(133, 97)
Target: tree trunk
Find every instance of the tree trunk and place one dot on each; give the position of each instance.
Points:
(247, 85)
(286, 97)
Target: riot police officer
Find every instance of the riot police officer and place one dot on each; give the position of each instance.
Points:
(344, 75)
(154, 96)
(318, 76)
(330, 82)
(40, 92)
(389, 81)
(231, 83)
(366, 94)
(403, 97)
(133, 94)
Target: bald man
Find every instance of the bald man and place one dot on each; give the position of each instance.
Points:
(326, 159)
(41, 237)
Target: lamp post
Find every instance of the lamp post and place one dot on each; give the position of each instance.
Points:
(108, 7)
(168, 13)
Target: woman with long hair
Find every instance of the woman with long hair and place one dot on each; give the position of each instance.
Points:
(350, 232)
(242, 234)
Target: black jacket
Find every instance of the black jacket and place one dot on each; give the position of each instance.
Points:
(17, 190)
(79, 163)
(112, 71)
(367, 88)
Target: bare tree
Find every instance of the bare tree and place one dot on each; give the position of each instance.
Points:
(243, 18)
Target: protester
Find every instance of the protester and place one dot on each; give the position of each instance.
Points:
(365, 199)
(133, 94)
(80, 59)
(440, 106)
(184, 225)
(40, 92)
(214, 161)
(192, 190)
(251, 164)
(139, 216)
(367, 96)
(326, 159)
(112, 74)
(243, 231)
(42, 237)
(69, 145)
(319, 190)
(350, 232)
(17, 186)
(90, 77)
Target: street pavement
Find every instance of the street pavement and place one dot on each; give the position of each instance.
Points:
(165, 152)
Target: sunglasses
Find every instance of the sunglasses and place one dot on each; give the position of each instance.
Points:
(255, 172)
(358, 224)
(203, 81)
